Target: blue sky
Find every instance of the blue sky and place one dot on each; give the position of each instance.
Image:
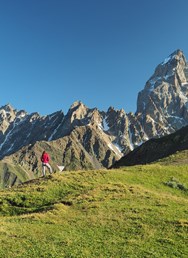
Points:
(102, 52)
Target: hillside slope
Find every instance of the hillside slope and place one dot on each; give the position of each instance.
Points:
(156, 149)
(133, 212)
(82, 149)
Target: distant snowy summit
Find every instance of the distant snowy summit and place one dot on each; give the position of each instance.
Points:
(97, 137)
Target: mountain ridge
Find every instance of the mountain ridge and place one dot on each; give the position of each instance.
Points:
(156, 149)
(91, 138)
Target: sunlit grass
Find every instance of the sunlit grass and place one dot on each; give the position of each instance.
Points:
(129, 212)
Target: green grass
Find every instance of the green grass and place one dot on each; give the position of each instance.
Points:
(128, 212)
(178, 158)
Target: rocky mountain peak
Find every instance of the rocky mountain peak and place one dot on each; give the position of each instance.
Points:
(164, 100)
(174, 66)
(172, 70)
(110, 109)
(175, 57)
(7, 115)
(76, 105)
(77, 110)
(8, 108)
(98, 137)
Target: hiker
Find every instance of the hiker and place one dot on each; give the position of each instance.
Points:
(45, 163)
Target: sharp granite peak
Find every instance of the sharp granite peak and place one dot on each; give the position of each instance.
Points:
(162, 104)
(104, 137)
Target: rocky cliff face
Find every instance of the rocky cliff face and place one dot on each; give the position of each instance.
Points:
(163, 103)
(79, 140)
(91, 138)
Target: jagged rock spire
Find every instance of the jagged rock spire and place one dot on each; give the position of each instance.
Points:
(163, 102)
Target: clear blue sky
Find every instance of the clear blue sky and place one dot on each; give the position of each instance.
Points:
(102, 52)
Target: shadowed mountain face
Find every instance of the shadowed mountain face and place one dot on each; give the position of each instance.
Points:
(90, 138)
(156, 149)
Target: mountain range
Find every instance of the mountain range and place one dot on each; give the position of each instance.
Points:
(86, 138)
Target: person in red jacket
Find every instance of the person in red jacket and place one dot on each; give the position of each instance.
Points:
(45, 158)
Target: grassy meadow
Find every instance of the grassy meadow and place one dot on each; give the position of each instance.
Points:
(139, 211)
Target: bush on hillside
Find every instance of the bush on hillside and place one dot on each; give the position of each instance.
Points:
(174, 183)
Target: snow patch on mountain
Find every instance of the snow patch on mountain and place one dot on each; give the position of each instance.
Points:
(115, 148)
(105, 125)
(169, 58)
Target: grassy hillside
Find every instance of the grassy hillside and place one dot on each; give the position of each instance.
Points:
(179, 158)
(82, 149)
(137, 211)
(25, 164)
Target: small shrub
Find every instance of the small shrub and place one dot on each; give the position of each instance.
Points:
(174, 183)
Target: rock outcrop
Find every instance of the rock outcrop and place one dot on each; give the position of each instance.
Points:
(163, 104)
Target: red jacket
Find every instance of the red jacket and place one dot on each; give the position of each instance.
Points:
(45, 158)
